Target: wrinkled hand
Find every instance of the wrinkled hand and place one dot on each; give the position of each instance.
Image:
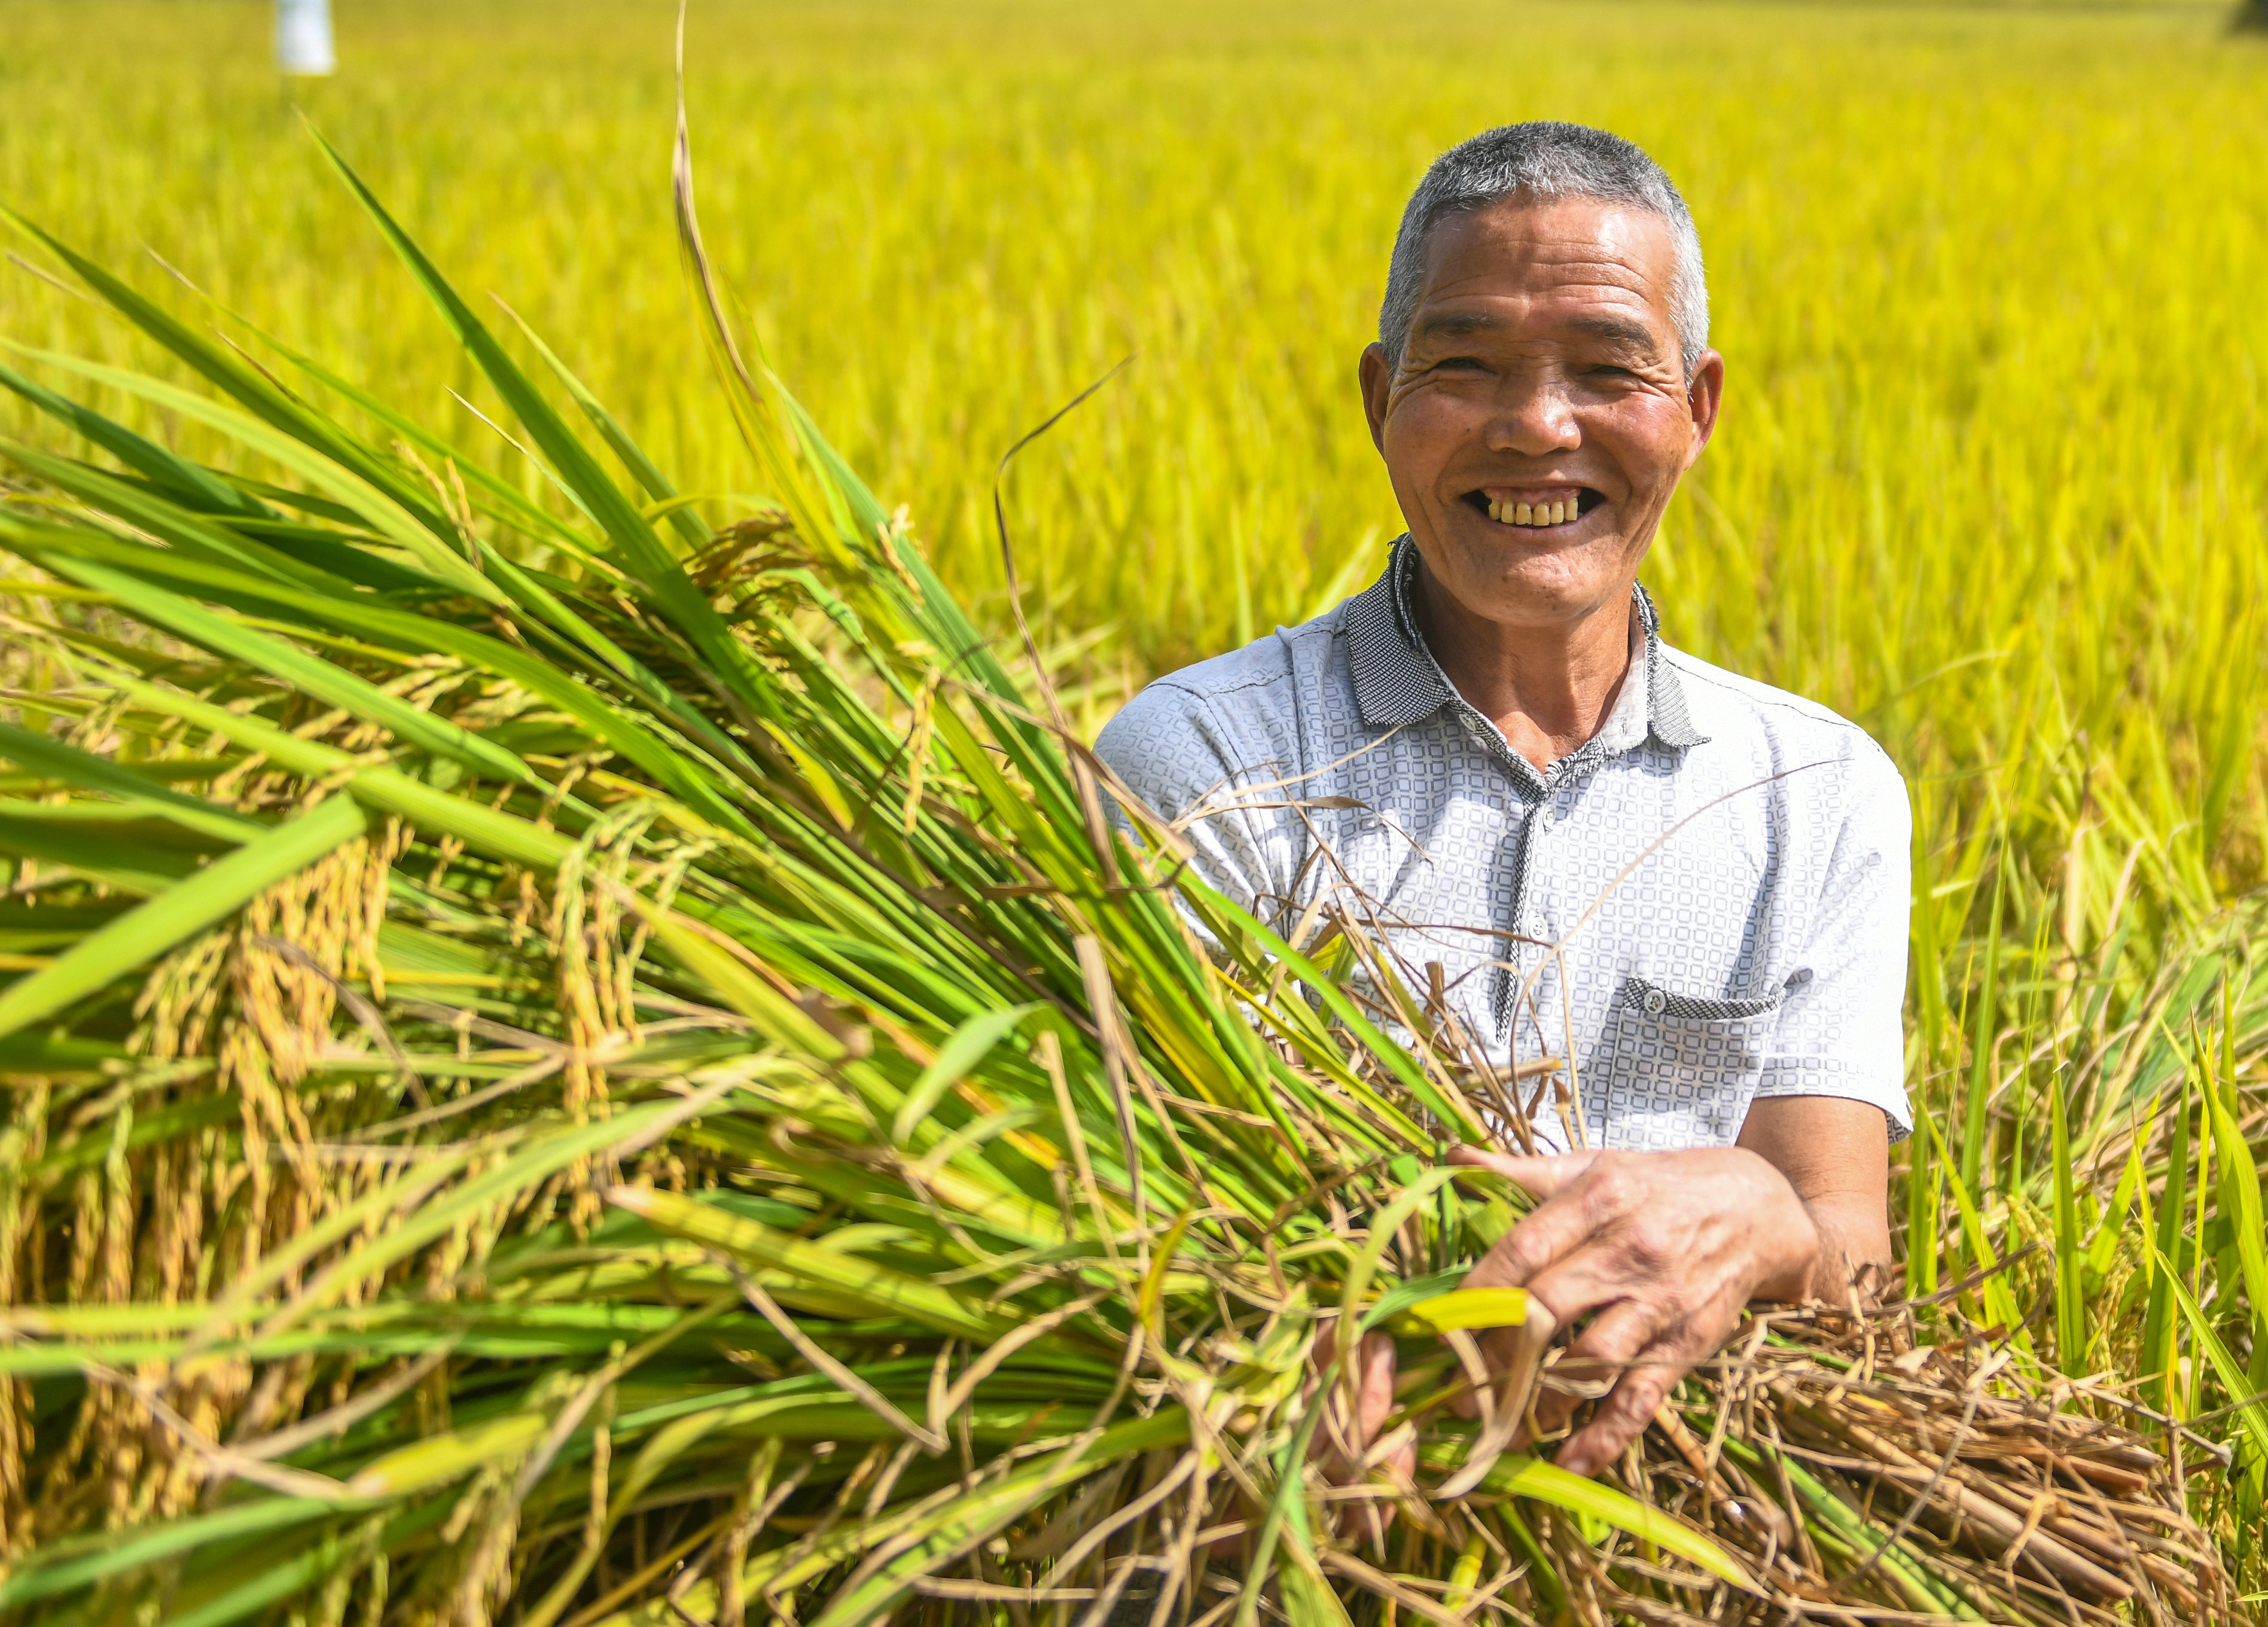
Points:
(1661, 1250)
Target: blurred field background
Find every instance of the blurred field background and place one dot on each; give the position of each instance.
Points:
(1992, 476)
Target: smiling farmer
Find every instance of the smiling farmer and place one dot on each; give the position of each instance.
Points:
(1692, 885)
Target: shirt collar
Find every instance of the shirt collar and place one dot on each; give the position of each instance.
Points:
(1397, 680)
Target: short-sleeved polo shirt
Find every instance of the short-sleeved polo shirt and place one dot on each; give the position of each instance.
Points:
(1704, 904)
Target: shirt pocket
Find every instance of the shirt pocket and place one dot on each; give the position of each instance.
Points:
(1674, 1070)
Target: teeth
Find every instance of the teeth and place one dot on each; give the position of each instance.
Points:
(1512, 513)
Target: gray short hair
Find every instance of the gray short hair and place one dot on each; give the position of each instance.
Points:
(1546, 159)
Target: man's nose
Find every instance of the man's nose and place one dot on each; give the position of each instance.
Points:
(1534, 416)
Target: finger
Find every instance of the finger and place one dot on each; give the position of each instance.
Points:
(1343, 1434)
(1374, 1399)
(1329, 1445)
(1587, 1278)
(1537, 1175)
(1402, 1465)
(1556, 1227)
(1375, 1367)
(1622, 1417)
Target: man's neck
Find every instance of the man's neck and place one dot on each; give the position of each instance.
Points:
(1548, 688)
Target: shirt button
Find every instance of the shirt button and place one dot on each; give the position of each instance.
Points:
(1656, 1002)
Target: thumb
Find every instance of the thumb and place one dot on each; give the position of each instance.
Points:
(1540, 1177)
(1375, 1395)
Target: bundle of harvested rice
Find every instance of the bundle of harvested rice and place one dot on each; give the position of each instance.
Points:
(572, 1065)
(1939, 1479)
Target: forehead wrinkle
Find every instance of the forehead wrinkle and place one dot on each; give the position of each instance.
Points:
(1512, 251)
(1536, 282)
(1497, 273)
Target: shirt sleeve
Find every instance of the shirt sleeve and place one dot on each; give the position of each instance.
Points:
(1175, 752)
(1842, 1023)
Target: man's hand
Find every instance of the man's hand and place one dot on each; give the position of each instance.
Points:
(1661, 1250)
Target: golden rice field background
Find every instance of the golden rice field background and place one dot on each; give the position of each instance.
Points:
(1996, 393)
(1992, 477)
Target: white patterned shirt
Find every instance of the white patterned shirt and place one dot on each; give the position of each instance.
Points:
(1756, 948)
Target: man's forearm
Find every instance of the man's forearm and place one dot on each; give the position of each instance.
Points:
(1850, 1234)
(1835, 1154)
(1854, 1234)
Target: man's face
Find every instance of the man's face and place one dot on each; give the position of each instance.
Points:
(1541, 379)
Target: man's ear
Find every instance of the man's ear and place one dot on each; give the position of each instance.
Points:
(1704, 392)
(1377, 376)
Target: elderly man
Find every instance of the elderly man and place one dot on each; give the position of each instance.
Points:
(1691, 887)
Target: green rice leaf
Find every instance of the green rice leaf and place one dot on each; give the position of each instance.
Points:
(381, 509)
(1527, 1477)
(183, 910)
(2251, 1409)
(119, 1551)
(885, 1292)
(966, 1048)
(309, 674)
(55, 759)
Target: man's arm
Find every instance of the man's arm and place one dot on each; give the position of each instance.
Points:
(1836, 1154)
(1177, 753)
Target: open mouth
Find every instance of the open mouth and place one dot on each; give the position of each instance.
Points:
(1534, 508)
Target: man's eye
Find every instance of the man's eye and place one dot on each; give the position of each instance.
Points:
(1462, 363)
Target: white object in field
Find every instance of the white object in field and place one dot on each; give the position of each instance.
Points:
(303, 36)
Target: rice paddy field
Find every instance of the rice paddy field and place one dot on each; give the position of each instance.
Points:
(1992, 478)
